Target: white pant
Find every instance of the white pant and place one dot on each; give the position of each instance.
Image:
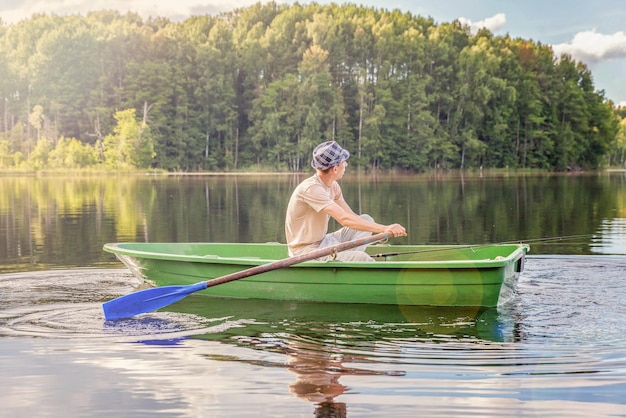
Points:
(344, 235)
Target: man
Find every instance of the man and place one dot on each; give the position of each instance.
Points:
(317, 199)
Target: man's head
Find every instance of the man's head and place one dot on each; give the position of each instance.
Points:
(327, 155)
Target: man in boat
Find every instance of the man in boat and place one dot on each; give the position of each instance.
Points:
(317, 199)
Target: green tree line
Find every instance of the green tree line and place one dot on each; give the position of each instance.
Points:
(260, 86)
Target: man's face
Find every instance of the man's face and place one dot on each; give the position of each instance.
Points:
(340, 169)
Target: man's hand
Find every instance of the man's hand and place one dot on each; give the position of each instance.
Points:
(396, 230)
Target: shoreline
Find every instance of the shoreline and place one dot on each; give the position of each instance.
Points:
(433, 173)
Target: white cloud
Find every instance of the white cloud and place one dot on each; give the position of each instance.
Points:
(592, 47)
(16, 10)
(493, 23)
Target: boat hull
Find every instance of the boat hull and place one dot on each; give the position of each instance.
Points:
(419, 275)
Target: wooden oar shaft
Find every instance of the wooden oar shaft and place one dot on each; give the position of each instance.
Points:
(320, 252)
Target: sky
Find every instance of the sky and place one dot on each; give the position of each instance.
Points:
(591, 31)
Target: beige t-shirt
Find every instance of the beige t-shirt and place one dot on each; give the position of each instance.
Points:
(305, 223)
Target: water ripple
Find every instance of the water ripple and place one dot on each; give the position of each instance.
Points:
(556, 349)
(67, 304)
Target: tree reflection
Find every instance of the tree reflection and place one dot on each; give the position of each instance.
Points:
(63, 221)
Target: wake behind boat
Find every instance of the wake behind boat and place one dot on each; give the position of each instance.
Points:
(479, 275)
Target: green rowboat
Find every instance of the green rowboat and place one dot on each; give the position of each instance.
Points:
(473, 275)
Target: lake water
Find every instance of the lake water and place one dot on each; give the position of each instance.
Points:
(558, 349)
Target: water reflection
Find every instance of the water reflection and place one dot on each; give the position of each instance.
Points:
(318, 370)
(59, 222)
(324, 342)
(611, 237)
(558, 348)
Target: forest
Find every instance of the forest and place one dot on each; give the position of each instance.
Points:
(257, 88)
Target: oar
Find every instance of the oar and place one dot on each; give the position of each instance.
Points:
(158, 297)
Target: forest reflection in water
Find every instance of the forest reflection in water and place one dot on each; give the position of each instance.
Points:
(55, 222)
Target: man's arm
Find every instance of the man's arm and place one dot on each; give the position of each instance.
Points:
(342, 213)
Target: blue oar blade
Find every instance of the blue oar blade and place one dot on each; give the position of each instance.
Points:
(147, 300)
